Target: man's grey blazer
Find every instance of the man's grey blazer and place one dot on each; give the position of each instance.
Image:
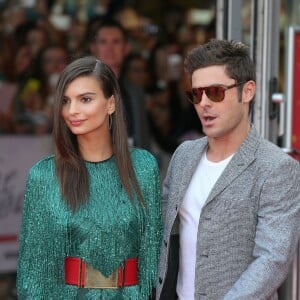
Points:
(249, 226)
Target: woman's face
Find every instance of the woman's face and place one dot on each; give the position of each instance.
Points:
(85, 109)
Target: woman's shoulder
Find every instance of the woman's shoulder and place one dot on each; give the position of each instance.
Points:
(143, 154)
(143, 157)
(43, 165)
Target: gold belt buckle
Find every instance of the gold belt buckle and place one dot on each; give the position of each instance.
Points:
(95, 279)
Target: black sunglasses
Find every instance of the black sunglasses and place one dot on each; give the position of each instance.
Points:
(215, 93)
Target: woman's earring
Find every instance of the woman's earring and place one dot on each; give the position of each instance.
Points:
(110, 121)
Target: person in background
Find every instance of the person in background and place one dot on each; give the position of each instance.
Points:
(109, 42)
(135, 70)
(8, 86)
(37, 38)
(7, 283)
(91, 226)
(33, 103)
(49, 64)
(231, 199)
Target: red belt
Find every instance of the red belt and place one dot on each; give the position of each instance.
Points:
(78, 272)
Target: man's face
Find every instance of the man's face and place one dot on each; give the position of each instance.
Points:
(228, 118)
(110, 46)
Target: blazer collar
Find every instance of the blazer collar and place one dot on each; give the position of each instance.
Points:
(189, 164)
(239, 162)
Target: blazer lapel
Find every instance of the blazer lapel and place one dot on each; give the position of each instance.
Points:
(240, 161)
(189, 166)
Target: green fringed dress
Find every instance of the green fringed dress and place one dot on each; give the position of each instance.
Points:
(104, 232)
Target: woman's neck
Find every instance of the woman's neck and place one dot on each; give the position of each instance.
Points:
(95, 150)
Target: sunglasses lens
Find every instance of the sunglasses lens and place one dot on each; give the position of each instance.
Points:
(215, 93)
(194, 96)
(197, 95)
(189, 96)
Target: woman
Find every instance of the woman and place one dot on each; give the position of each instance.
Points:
(91, 224)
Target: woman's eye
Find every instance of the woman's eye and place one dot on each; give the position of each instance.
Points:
(86, 99)
(65, 101)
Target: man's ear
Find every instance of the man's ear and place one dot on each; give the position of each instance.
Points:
(248, 91)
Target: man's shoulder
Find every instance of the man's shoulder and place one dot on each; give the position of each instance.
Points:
(192, 145)
(270, 157)
(262, 149)
(271, 151)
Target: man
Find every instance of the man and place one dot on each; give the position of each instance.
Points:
(231, 199)
(110, 44)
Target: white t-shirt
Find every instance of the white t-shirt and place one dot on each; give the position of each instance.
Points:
(203, 180)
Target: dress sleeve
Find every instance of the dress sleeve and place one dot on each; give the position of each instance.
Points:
(32, 265)
(151, 239)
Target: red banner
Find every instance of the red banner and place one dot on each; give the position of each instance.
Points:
(296, 94)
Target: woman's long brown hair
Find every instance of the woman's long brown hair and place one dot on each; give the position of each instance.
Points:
(70, 166)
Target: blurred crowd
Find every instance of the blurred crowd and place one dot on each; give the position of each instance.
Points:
(38, 39)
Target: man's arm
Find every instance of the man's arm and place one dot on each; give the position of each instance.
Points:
(277, 235)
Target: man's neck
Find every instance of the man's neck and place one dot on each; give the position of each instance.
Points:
(219, 149)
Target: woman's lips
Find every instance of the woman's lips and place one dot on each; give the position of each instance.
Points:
(76, 122)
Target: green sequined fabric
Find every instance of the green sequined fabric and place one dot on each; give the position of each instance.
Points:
(104, 232)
